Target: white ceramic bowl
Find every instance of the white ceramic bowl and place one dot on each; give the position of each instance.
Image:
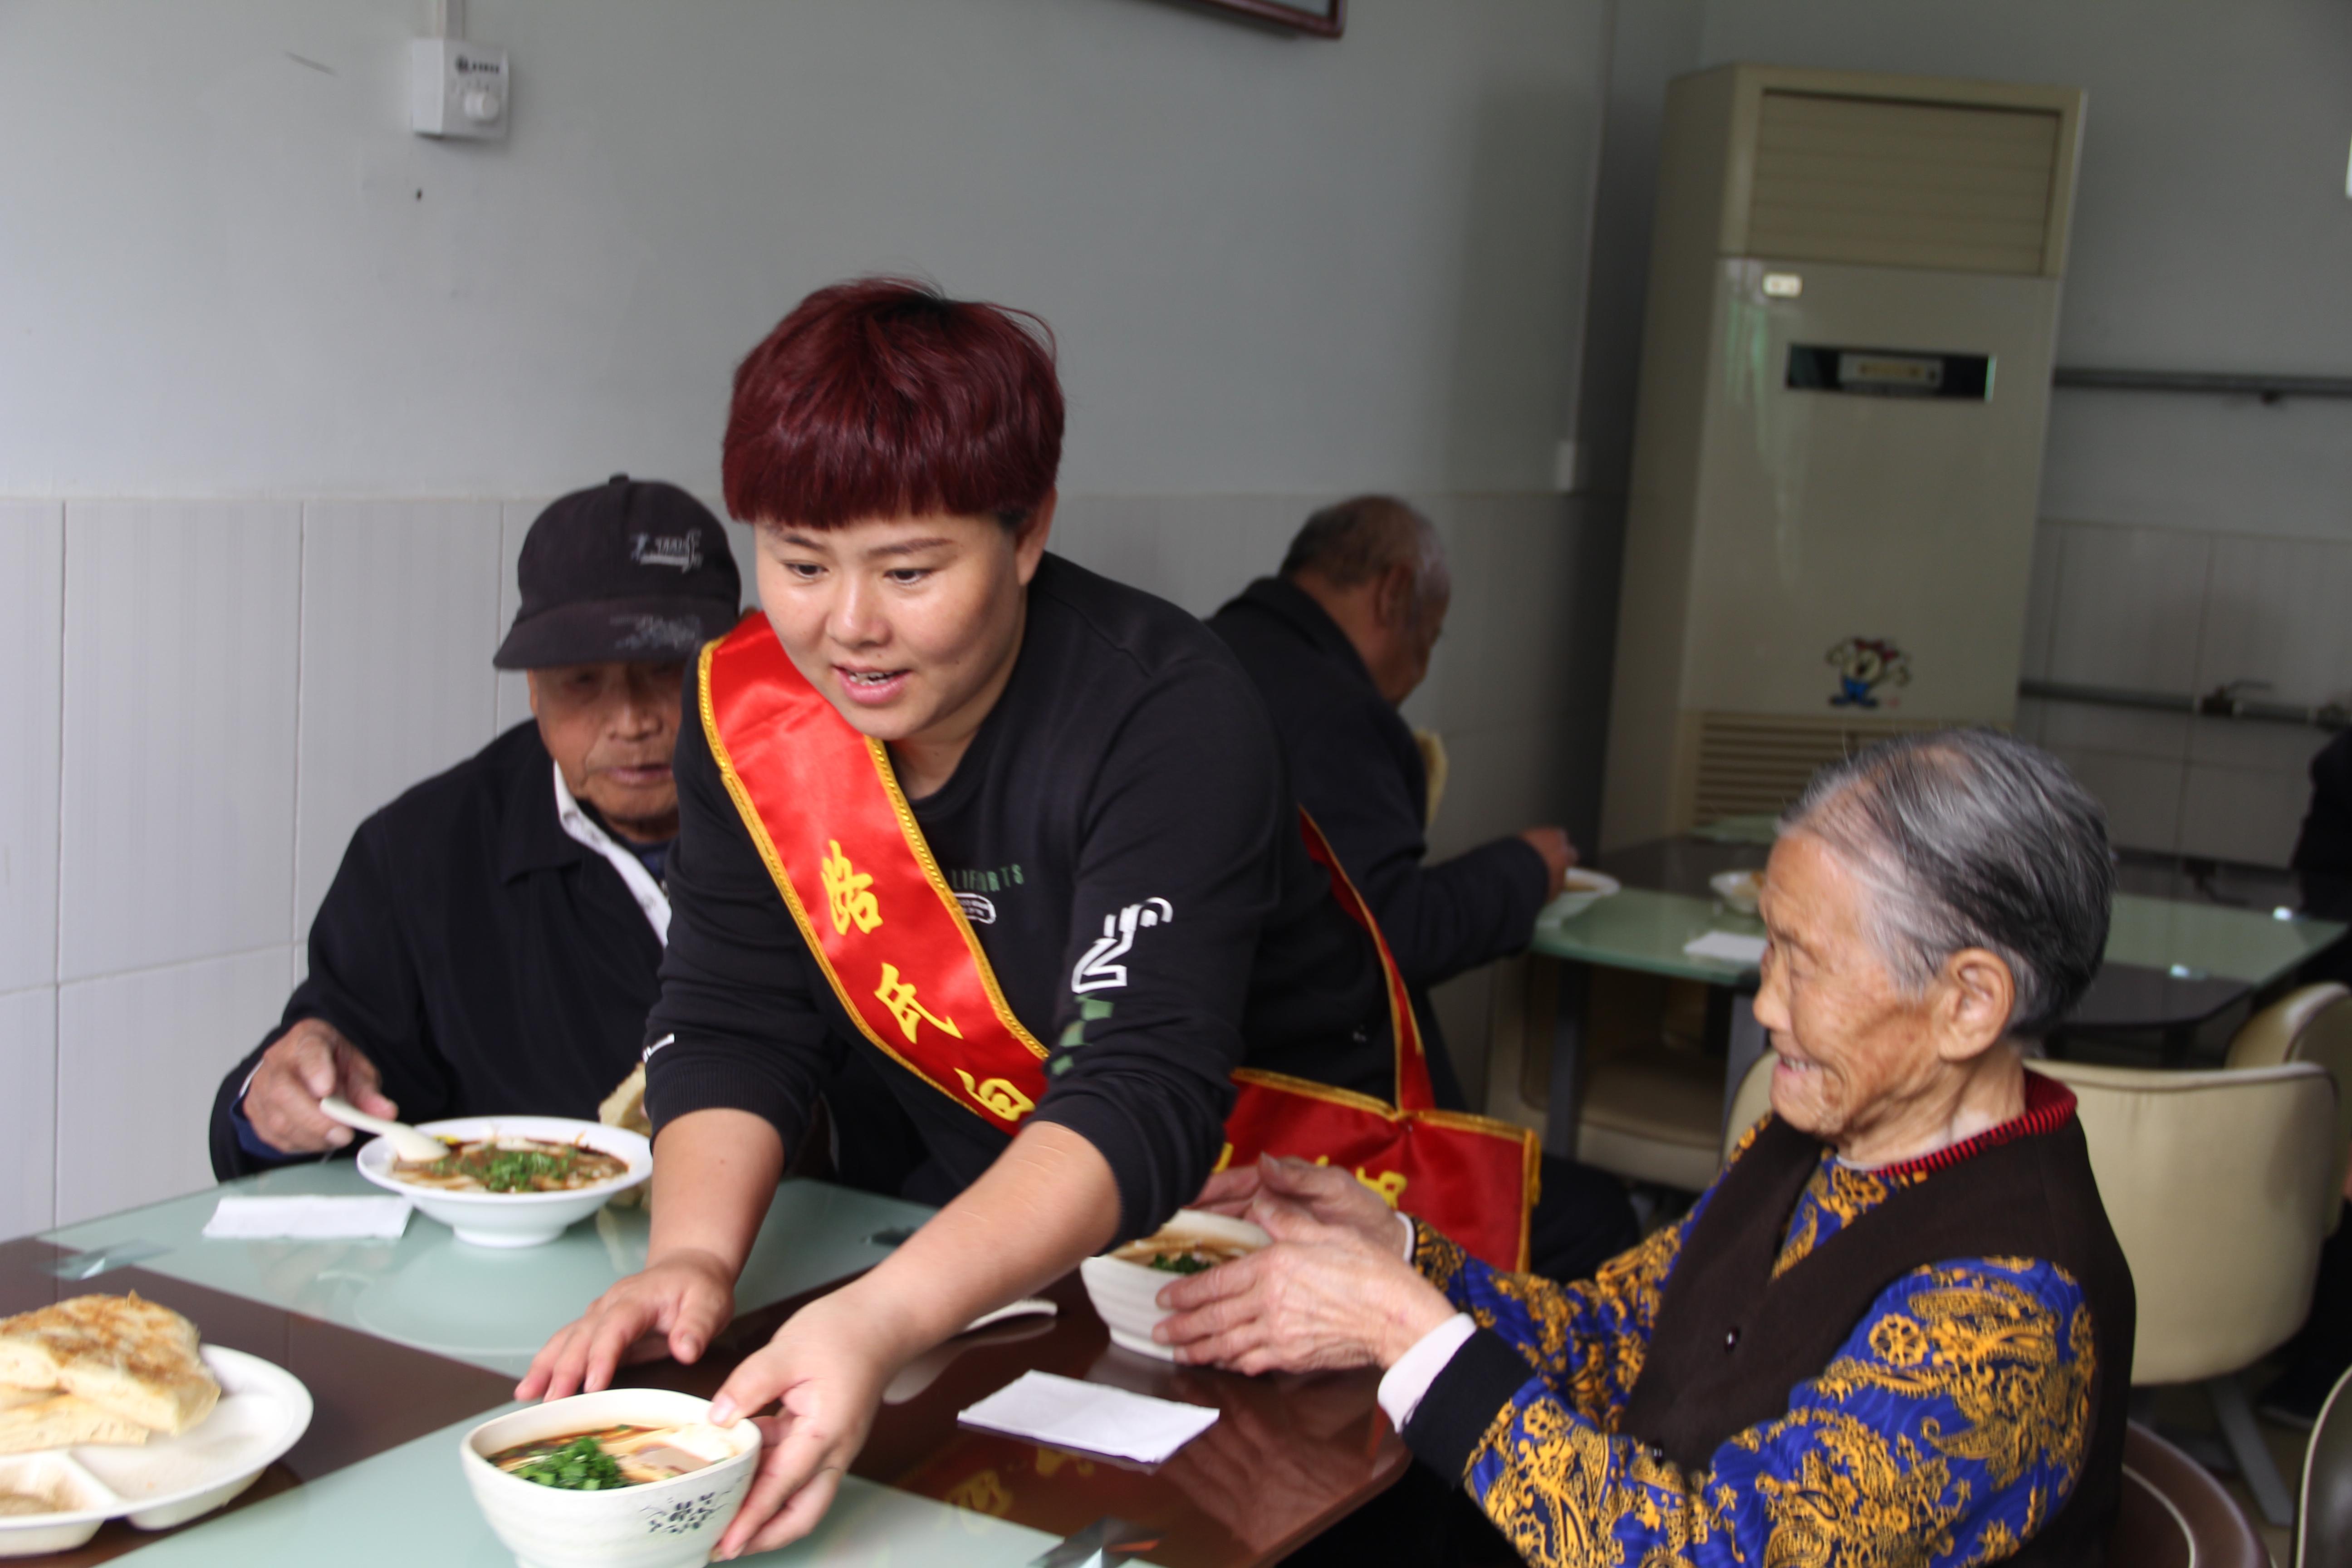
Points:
(1737, 888)
(674, 1523)
(1126, 1294)
(1580, 890)
(515, 1219)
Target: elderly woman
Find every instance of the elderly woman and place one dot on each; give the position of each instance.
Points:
(1896, 1330)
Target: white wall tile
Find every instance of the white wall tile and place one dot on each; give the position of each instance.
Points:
(399, 619)
(140, 1057)
(2242, 814)
(2278, 613)
(28, 1124)
(2256, 744)
(180, 672)
(2130, 601)
(1187, 549)
(2131, 731)
(32, 607)
(2041, 600)
(2142, 797)
(515, 519)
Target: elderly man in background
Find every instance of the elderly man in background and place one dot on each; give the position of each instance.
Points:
(1335, 643)
(491, 940)
(1896, 1328)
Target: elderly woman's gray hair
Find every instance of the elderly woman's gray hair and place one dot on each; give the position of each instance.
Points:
(1972, 839)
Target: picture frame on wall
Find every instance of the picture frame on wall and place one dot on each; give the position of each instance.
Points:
(1314, 18)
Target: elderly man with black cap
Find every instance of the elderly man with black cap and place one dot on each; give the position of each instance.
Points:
(490, 942)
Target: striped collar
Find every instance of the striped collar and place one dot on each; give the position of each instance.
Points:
(2049, 1105)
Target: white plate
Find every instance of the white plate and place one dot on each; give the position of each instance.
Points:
(263, 1412)
(515, 1219)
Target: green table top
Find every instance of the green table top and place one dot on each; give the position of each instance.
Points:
(2254, 946)
(486, 1307)
(1642, 930)
(1639, 928)
(411, 1502)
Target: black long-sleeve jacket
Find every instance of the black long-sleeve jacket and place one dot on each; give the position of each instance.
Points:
(486, 961)
(1356, 768)
(1129, 760)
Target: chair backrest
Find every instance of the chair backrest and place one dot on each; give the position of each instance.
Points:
(2322, 1522)
(2172, 1513)
(2217, 1184)
(1754, 1098)
(2310, 1023)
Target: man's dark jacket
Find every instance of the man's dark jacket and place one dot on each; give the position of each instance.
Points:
(1357, 770)
(484, 960)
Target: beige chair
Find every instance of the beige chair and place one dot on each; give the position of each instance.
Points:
(1653, 1115)
(2312, 1024)
(2219, 1186)
(1750, 1104)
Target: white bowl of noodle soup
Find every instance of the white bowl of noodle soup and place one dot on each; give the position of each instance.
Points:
(515, 1218)
(672, 1524)
(1125, 1286)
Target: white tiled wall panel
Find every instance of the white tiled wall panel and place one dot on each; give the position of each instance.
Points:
(2179, 613)
(32, 594)
(399, 619)
(2280, 611)
(138, 1059)
(513, 694)
(180, 678)
(2142, 796)
(28, 1059)
(2041, 602)
(2131, 602)
(2242, 814)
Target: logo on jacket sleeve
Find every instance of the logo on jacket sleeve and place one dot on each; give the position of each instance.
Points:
(1099, 968)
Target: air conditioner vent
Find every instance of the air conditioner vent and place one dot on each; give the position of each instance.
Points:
(1755, 765)
(1897, 184)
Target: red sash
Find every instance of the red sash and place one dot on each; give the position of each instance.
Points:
(822, 802)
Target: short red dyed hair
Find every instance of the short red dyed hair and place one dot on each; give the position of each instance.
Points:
(882, 397)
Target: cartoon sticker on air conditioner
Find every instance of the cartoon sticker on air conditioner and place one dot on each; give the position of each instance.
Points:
(1864, 664)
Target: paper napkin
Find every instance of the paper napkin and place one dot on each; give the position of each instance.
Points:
(1729, 947)
(1067, 1414)
(308, 1219)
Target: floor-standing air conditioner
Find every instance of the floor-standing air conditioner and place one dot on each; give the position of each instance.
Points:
(1852, 308)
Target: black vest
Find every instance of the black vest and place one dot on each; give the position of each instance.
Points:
(1731, 1342)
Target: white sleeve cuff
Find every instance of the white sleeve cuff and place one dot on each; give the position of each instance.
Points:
(1402, 1388)
(1411, 1237)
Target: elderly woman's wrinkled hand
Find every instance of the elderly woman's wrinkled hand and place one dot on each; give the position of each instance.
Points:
(1324, 1193)
(1323, 1296)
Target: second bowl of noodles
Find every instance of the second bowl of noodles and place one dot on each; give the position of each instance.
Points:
(513, 1181)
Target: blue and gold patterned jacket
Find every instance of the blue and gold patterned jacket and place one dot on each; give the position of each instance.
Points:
(1949, 1426)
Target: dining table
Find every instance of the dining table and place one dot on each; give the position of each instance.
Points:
(2187, 940)
(407, 1345)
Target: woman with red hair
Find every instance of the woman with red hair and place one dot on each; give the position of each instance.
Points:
(1016, 837)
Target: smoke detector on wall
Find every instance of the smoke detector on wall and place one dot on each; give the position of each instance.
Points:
(457, 90)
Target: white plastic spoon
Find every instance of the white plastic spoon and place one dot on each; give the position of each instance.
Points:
(407, 1141)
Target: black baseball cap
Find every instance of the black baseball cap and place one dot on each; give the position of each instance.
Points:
(634, 570)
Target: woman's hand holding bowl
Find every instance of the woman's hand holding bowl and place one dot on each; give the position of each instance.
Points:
(828, 1364)
(673, 1308)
